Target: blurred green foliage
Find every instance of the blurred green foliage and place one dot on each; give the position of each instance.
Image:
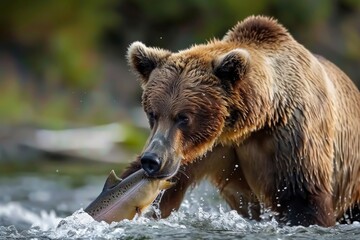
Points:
(56, 56)
(60, 39)
(134, 137)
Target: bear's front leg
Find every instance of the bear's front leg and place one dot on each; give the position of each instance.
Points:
(191, 174)
(307, 209)
(221, 168)
(227, 175)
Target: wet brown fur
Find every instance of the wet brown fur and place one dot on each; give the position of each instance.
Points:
(289, 121)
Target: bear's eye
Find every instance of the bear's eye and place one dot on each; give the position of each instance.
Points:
(182, 119)
(152, 118)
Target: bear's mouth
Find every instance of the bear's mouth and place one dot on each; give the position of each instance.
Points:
(167, 172)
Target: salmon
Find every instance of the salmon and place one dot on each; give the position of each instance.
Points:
(123, 198)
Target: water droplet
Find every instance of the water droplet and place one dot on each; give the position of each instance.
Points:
(279, 205)
(227, 179)
(236, 166)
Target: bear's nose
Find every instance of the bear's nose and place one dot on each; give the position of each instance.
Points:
(151, 163)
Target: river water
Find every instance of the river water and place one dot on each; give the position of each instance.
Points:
(50, 207)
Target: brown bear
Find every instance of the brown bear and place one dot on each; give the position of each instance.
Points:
(258, 115)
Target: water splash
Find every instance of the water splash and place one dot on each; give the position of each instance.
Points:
(202, 215)
(15, 213)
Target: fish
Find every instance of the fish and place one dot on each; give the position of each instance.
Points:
(124, 198)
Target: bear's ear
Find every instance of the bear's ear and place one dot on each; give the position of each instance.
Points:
(143, 60)
(231, 66)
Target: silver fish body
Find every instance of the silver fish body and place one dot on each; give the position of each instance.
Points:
(123, 198)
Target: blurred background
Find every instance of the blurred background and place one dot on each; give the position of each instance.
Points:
(68, 103)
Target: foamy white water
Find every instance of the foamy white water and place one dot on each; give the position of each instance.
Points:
(202, 216)
(17, 213)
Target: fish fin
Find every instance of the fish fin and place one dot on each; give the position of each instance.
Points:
(112, 180)
(166, 184)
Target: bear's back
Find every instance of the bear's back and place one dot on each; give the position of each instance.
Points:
(346, 101)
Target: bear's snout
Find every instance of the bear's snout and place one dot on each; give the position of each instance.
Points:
(151, 163)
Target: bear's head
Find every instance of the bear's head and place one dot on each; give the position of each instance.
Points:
(215, 93)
